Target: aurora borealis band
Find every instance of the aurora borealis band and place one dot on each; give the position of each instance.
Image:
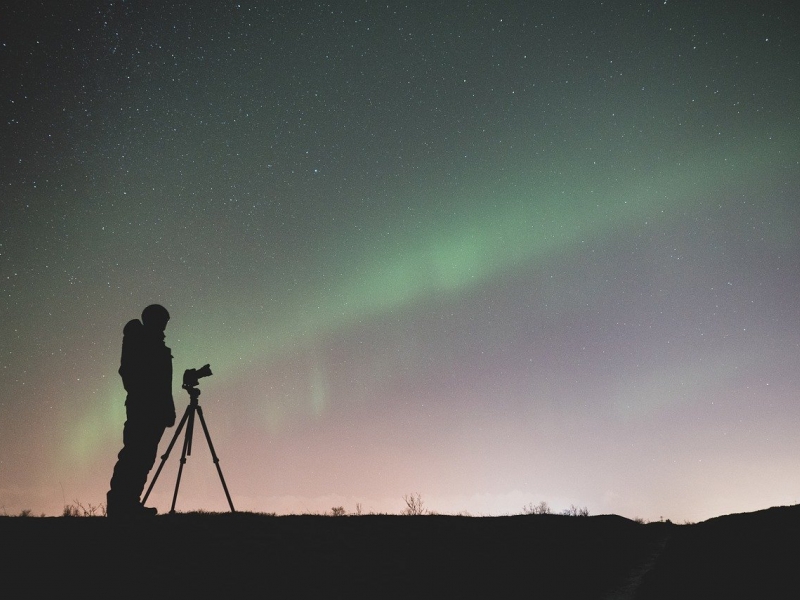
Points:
(490, 252)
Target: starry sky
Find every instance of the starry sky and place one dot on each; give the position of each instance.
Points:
(492, 253)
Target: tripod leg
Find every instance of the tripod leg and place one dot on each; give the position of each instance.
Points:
(166, 454)
(190, 434)
(187, 440)
(214, 456)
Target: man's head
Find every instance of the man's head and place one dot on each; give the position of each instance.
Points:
(155, 317)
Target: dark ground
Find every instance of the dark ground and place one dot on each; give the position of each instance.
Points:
(380, 556)
(750, 555)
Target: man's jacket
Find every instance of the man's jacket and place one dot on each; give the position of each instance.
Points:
(146, 371)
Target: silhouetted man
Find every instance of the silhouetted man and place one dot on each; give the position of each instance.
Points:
(146, 371)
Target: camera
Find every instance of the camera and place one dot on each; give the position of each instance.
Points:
(191, 376)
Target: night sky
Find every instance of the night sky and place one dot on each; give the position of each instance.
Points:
(491, 252)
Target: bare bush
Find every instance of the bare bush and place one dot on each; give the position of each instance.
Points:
(414, 505)
(338, 511)
(76, 509)
(574, 511)
(540, 509)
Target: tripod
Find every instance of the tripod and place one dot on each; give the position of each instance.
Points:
(188, 417)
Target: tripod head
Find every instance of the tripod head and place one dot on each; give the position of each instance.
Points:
(190, 381)
(191, 376)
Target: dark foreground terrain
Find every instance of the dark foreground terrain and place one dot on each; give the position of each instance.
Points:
(376, 556)
(750, 555)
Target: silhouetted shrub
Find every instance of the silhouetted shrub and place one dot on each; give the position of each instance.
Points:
(414, 505)
(574, 511)
(540, 509)
(76, 509)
